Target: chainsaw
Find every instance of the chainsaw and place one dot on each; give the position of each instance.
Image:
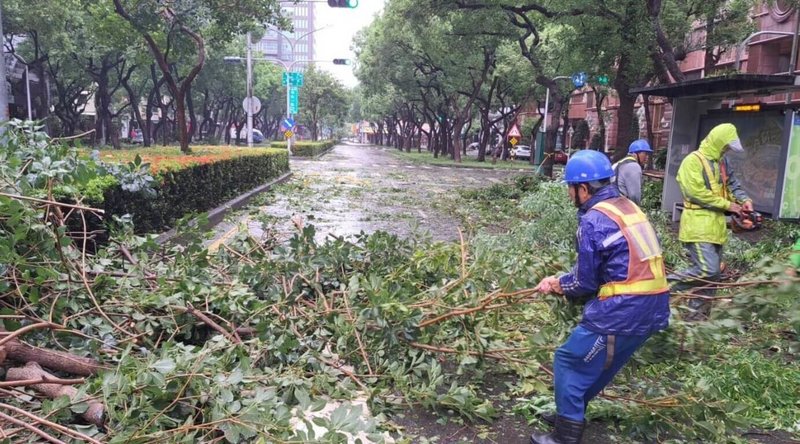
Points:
(749, 221)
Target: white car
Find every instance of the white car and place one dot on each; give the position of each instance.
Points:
(522, 152)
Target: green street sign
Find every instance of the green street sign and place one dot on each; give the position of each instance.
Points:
(602, 79)
(294, 97)
(292, 79)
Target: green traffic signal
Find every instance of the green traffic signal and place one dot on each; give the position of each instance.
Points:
(342, 3)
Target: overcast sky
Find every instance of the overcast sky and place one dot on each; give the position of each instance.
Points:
(335, 41)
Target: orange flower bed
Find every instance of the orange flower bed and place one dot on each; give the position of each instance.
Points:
(165, 159)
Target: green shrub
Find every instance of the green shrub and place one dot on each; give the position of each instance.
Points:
(306, 149)
(195, 188)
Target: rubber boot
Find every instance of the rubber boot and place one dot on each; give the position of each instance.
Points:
(549, 418)
(567, 432)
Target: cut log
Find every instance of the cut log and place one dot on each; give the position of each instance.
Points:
(94, 414)
(52, 359)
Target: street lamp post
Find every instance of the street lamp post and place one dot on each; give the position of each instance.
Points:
(249, 91)
(249, 59)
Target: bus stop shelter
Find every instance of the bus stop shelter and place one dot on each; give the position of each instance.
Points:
(769, 168)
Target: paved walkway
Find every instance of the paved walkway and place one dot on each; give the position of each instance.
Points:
(357, 188)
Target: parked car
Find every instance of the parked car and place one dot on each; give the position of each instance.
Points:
(258, 136)
(560, 157)
(522, 152)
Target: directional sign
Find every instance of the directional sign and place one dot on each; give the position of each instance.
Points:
(288, 134)
(294, 97)
(254, 105)
(292, 79)
(287, 124)
(513, 141)
(514, 131)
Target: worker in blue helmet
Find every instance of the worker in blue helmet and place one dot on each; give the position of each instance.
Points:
(628, 171)
(620, 274)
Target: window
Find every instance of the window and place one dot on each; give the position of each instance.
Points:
(269, 46)
(590, 100)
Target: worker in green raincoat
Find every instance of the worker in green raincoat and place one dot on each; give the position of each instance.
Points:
(710, 190)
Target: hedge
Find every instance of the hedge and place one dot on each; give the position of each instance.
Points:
(191, 184)
(306, 149)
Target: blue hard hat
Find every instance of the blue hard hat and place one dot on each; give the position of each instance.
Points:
(639, 146)
(587, 166)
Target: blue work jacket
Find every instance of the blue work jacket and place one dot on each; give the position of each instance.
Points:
(602, 258)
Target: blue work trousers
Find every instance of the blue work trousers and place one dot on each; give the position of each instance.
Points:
(585, 364)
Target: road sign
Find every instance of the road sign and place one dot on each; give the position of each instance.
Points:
(255, 106)
(579, 79)
(513, 141)
(287, 124)
(293, 100)
(292, 79)
(514, 131)
(288, 134)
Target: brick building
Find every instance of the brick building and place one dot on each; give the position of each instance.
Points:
(764, 54)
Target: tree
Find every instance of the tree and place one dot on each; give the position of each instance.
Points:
(323, 100)
(166, 27)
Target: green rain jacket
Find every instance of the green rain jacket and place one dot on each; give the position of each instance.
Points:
(703, 219)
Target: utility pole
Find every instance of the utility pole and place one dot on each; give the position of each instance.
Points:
(3, 85)
(250, 103)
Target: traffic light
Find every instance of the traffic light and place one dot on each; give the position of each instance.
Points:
(342, 3)
(341, 61)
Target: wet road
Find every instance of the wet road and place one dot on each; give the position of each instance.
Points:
(357, 188)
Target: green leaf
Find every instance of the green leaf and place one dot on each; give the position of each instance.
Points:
(164, 366)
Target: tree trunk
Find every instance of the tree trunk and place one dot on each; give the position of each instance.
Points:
(192, 115)
(625, 117)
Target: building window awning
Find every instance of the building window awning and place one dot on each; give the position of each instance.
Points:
(733, 85)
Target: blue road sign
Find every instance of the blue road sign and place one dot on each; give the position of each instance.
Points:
(287, 124)
(579, 79)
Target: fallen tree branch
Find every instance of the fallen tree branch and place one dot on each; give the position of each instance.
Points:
(10, 336)
(52, 202)
(52, 425)
(76, 136)
(53, 380)
(46, 436)
(32, 371)
(52, 359)
(200, 315)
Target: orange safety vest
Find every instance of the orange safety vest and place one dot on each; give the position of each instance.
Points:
(646, 273)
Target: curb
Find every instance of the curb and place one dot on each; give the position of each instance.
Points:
(216, 215)
(315, 157)
(456, 165)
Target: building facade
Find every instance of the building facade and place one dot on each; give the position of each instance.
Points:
(296, 46)
(764, 54)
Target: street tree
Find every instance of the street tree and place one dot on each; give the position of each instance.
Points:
(166, 27)
(323, 100)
